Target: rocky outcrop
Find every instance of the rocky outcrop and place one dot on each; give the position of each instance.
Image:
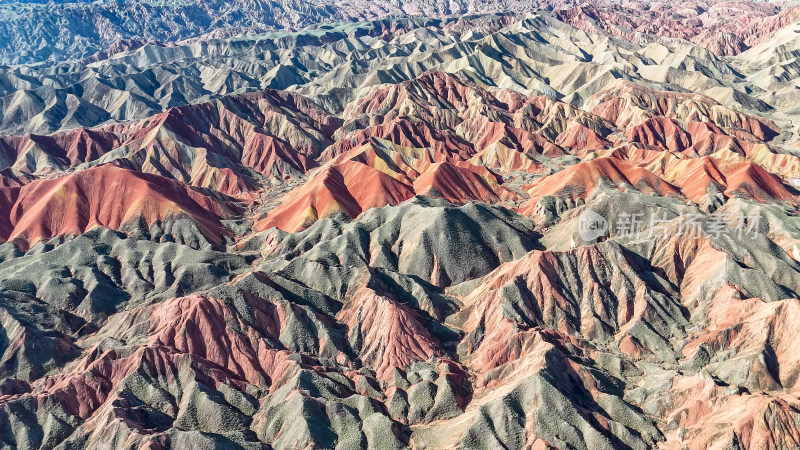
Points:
(525, 229)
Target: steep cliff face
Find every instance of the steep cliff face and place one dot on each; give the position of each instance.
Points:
(565, 229)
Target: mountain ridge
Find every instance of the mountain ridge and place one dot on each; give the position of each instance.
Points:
(549, 225)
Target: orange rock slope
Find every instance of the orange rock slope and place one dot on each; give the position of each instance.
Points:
(574, 228)
(105, 196)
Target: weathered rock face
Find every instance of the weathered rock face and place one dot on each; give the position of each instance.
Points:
(576, 229)
(112, 197)
(95, 32)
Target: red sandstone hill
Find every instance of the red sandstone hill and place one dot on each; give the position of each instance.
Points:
(580, 180)
(352, 187)
(406, 132)
(500, 128)
(724, 28)
(184, 292)
(380, 173)
(628, 104)
(692, 179)
(104, 196)
(209, 145)
(348, 188)
(697, 177)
